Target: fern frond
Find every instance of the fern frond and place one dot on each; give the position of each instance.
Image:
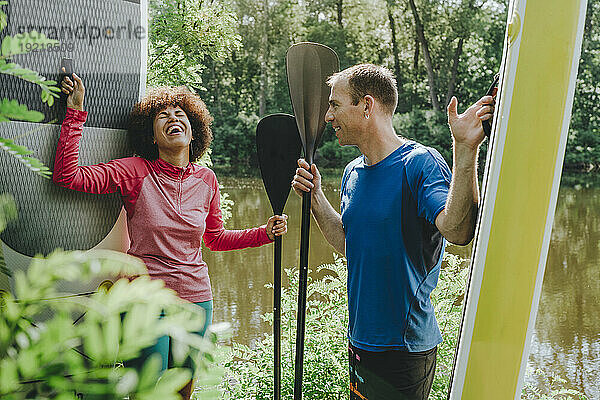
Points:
(3, 19)
(49, 89)
(24, 43)
(8, 212)
(11, 110)
(22, 154)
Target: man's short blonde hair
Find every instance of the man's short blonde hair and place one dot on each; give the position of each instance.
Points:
(369, 79)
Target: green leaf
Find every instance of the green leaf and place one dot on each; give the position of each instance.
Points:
(27, 364)
(31, 76)
(9, 378)
(92, 340)
(150, 372)
(127, 383)
(3, 20)
(22, 154)
(12, 110)
(24, 43)
(8, 210)
(173, 379)
(112, 327)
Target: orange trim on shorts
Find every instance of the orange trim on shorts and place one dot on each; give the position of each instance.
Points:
(356, 392)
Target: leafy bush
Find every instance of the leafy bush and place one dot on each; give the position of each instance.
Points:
(234, 144)
(45, 354)
(447, 298)
(427, 127)
(331, 155)
(249, 371)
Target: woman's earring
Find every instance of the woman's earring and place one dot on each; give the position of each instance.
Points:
(366, 116)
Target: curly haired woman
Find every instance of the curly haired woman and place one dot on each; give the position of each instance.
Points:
(171, 203)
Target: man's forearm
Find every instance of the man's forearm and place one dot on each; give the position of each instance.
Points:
(329, 221)
(457, 221)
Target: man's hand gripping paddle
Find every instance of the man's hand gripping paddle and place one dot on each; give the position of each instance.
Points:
(278, 146)
(308, 67)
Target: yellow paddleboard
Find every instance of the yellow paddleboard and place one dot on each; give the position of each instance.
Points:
(538, 76)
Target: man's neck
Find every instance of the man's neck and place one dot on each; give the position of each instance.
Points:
(380, 143)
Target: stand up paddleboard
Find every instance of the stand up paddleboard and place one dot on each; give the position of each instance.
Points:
(538, 77)
(107, 42)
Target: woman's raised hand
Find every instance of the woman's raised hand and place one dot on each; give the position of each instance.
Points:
(74, 89)
(277, 226)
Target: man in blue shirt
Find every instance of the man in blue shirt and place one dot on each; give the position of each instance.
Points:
(399, 203)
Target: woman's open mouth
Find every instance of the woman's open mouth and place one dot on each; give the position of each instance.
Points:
(175, 130)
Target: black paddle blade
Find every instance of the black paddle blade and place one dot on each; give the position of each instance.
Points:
(278, 146)
(308, 67)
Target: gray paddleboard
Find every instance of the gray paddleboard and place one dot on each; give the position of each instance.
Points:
(107, 41)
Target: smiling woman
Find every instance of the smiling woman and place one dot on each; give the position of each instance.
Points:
(172, 205)
(167, 107)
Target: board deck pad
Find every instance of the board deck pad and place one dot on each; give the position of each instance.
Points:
(104, 39)
(107, 41)
(51, 216)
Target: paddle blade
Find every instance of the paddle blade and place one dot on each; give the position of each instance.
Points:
(278, 147)
(308, 67)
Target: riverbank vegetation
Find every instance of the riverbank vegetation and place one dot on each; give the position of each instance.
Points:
(249, 371)
(233, 54)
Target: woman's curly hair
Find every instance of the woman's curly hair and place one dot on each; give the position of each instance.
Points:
(141, 120)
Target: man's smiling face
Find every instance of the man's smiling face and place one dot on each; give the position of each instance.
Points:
(344, 116)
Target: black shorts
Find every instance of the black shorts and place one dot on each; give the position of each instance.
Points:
(391, 375)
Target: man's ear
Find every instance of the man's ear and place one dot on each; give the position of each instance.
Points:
(369, 104)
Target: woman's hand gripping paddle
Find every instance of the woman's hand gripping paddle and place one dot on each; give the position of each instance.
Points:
(308, 67)
(278, 146)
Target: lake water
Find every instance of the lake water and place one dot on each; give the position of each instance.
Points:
(566, 341)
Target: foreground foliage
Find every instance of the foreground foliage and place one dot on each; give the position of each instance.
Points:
(54, 345)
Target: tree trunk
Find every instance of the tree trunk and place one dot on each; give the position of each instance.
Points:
(339, 12)
(262, 97)
(395, 49)
(394, 43)
(216, 90)
(454, 72)
(426, 56)
(415, 73)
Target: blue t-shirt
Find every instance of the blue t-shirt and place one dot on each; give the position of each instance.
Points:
(393, 247)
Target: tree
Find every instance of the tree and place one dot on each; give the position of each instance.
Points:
(183, 35)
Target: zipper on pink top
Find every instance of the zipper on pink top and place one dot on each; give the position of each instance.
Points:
(180, 190)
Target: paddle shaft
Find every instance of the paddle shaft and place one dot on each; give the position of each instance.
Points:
(277, 318)
(304, 240)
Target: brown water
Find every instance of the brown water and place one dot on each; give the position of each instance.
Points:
(567, 335)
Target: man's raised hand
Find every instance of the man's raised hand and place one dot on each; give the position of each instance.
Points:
(466, 128)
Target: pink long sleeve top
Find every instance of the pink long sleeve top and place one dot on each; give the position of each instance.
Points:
(170, 210)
